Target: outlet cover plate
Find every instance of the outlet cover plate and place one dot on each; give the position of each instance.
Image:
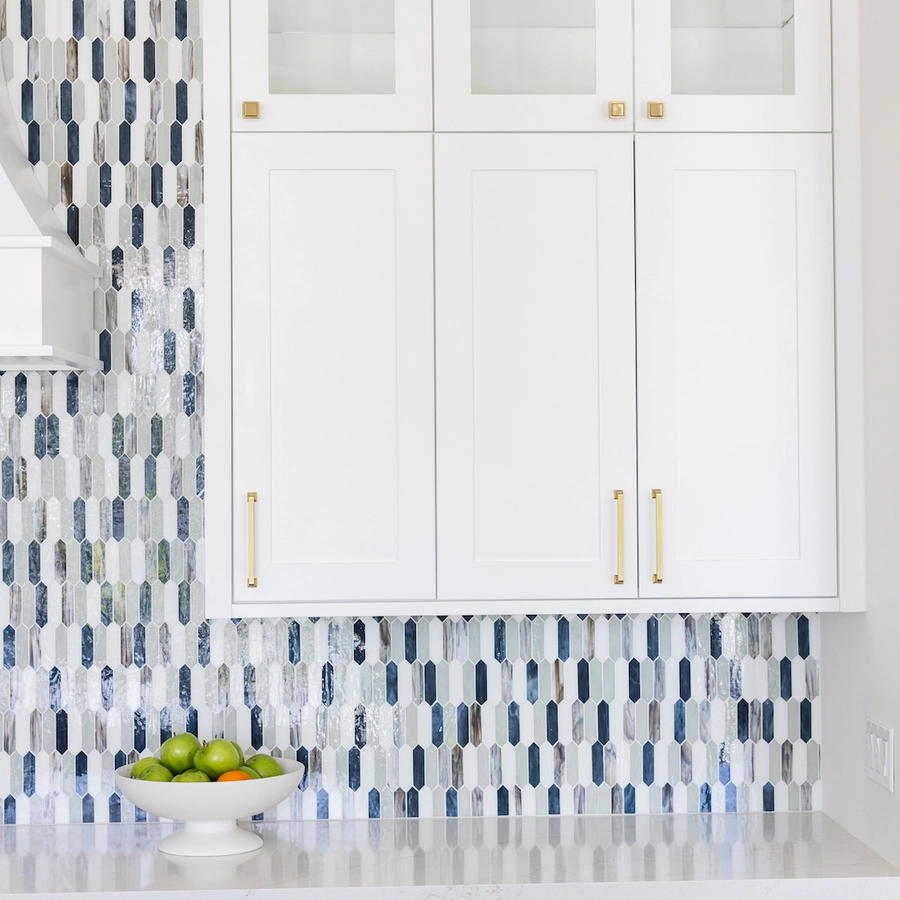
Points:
(880, 754)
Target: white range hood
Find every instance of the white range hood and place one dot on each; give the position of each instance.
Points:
(46, 285)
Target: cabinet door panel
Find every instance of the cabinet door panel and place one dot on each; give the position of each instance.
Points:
(333, 366)
(535, 319)
(733, 65)
(537, 65)
(736, 365)
(332, 65)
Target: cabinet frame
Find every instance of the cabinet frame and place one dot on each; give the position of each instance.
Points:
(216, 543)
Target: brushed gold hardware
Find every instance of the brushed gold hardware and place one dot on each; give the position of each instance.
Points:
(617, 109)
(656, 110)
(619, 497)
(250, 109)
(251, 540)
(657, 575)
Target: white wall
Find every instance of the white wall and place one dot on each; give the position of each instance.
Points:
(861, 653)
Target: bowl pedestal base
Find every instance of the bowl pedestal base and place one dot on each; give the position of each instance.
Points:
(217, 838)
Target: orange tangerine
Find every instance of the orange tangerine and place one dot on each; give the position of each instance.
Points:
(234, 775)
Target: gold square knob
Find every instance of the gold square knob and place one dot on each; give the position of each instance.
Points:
(656, 110)
(617, 109)
(250, 109)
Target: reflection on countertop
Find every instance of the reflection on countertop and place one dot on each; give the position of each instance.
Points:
(392, 858)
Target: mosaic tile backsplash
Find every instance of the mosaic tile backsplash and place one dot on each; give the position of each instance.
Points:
(105, 651)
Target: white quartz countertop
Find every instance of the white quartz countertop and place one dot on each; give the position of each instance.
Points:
(765, 855)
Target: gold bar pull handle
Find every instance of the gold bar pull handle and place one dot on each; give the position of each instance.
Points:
(619, 497)
(657, 575)
(251, 540)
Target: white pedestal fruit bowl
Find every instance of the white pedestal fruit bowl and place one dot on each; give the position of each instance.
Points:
(210, 810)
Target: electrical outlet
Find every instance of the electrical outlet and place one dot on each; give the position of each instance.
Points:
(880, 754)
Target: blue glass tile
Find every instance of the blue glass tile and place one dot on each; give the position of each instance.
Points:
(628, 799)
(359, 726)
(105, 184)
(156, 184)
(124, 143)
(786, 686)
(165, 724)
(190, 400)
(597, 762)
(705, 798)
(106, 687)
(768, 798)
(120, 760)
(181, 102)
(552, 722)
(169, 268)
(129, 20)
(634, 680)
(137, 226)
(803, 637)
(553, 800)
(106, 603)
(322, 804)
(391, 686)
(353, 768)
(188, 310)
(481, 682)
(184, 687)
(203, 644)
(8, 483)
(502, 801)
(65, 102)
(256, 727)
(409, 640)
(87, 646)
(115, 808)
(78, 19)
(130, 103)
(40, 605)
(9, 562)
(513, 723)
(648, 764)
(118, 267)
(181, 19)
(303, 757)
(437, 725)
(652, 637)
(430, 683)
(293, 636)
(715, 637)
(40, 437)
(462, 725)
(190, 226)
(374, 804)
(499, 640)
(603, 722)
(534, 765)
(54, 685)
(78, 511)
(327, 684)
(175, 150)
(21, 394)
(412, 804)
(743, 720)
(139, 656)
(9, 806)
(584, 681)
(28, 774)
(140, 815)
(27, 101)
(62, 731)
(724, 764)
(418, 766)
(34, 562)
(26, 27)
(145, 603)
(531, 681)
(730, 798)
(140, 731)
(149, 60)
(184, 603)
(97, 59)
(452, 804)
(87, 562)
(52, 436)
(149, 477)
(200, 476)
(34, 143)
(191, 721)
(249, 685)
(562, 638)
(805, 720)
(72, 393)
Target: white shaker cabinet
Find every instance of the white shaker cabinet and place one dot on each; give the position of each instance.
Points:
(333, 397)
(736, 372)
(331, 65)
(732, 65)
(535, 367)
(533, 65)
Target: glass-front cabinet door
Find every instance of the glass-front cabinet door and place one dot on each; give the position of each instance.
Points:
(331, 65)
(733, 65)
(533, 65)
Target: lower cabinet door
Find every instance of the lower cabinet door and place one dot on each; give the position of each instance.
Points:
(535, 367)
(736, 383)
(333, 361)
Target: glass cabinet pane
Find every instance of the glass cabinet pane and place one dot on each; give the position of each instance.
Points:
(331, 47)
(533, 47)
(732, 46)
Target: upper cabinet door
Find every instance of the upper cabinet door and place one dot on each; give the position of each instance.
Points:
(333, 367)
(736, 376)
(532, 65)
(535, 367)
(733, 65)
(331, 65)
